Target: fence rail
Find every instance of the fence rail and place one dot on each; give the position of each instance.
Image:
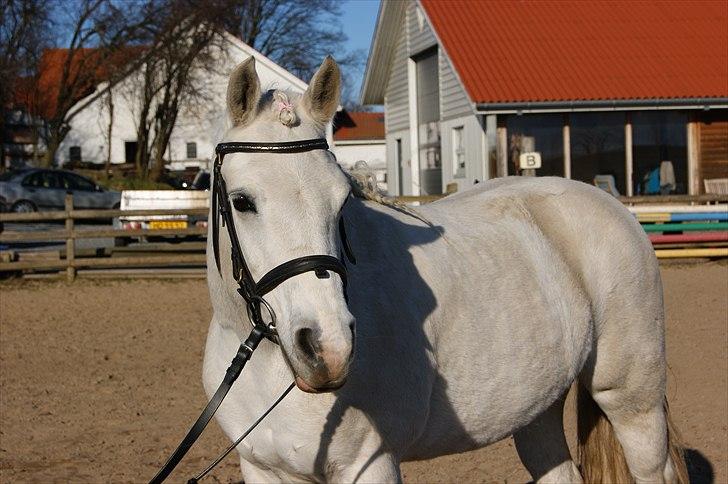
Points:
(84, 259)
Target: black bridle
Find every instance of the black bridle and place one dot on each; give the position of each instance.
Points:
(251, 291)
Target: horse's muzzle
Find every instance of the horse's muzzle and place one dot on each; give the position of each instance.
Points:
(324, 367)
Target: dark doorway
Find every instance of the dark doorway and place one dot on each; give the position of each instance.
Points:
(130, 148)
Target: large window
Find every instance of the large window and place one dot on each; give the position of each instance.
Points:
(400, 172)
(458, 152)
(597, 147)
(428, 120)
(659, 152)
(542, 133)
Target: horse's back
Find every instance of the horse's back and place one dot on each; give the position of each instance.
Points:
(591, 230)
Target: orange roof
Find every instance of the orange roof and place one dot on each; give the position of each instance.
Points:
(354, 126)
(40, 94)
(532, 51)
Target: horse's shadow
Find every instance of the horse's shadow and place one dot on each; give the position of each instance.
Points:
(393, 380)
(700, 469)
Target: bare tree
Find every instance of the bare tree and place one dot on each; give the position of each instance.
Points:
(94, 37)
(22, 38)
(181, 41)
(295, 34)
(97, 24)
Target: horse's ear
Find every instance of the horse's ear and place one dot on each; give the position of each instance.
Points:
(243, 93)
(321, 99)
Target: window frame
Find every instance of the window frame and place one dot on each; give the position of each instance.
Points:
(193, 145)
(458, 149)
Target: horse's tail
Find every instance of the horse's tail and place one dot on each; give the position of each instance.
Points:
(600, 455)
(675, 449)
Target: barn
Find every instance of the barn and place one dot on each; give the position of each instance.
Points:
(633, 94)
(198, 128)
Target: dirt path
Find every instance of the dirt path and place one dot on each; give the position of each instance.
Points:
(99, 380)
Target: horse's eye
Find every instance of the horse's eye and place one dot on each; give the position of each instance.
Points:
(243, 203)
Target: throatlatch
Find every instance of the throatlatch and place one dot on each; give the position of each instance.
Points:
(250, 290)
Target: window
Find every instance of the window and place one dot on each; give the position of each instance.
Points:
(400, 173)
(74, 153)
(75, 182)
(659, 152)
(458, 152)
(43, 179)
(191, 151)
(597, 147)
(542, 133)
(428, 120)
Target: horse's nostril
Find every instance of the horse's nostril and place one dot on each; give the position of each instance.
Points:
(306, 342)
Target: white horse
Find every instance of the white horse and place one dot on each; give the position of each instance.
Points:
(469, 328)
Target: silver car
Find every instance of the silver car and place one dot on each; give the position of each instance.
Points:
(34, 189)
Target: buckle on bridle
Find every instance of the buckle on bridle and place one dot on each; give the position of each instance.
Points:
(253, 305)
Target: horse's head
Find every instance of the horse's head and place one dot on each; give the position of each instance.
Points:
(285, 206)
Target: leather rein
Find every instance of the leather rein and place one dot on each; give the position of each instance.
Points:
(251, 291)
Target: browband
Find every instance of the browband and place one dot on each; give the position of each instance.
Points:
(281, 147)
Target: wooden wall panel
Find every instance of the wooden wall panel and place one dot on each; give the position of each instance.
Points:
(713, 145)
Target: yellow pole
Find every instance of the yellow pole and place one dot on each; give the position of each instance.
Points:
(678, 253)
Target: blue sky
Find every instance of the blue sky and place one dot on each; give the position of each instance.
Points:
(358, 20)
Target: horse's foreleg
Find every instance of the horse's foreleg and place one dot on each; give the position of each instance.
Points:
(541, 445)
(253, 474)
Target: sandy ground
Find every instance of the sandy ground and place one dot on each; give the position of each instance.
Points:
(99, 380)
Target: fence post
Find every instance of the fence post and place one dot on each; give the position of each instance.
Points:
(70, 242)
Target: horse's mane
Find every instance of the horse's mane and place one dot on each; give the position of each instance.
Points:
(364, 186)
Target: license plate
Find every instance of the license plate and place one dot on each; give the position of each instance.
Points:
(168, 224)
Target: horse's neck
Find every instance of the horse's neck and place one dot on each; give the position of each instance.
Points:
(382, 235)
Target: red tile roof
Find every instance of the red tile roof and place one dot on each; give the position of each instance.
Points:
(518, 51)
(354, 126)
(40, 94)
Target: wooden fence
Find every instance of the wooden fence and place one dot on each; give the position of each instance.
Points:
(70, 233)
(75, 259)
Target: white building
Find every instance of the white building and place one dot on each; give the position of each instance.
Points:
(197, 130)
(359, 136)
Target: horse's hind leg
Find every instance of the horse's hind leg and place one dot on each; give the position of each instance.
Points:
(625, 376)
(541, 445)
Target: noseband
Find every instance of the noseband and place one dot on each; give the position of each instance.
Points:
(250, 290)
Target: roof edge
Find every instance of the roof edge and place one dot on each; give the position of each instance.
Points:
(389, 15)
(104, 86)
(519, 107)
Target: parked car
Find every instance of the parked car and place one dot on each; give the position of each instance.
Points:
(34, 189)
(159, 200)
(201, 181)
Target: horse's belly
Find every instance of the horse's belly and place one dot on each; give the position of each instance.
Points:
(471, 411)
(515, 350)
